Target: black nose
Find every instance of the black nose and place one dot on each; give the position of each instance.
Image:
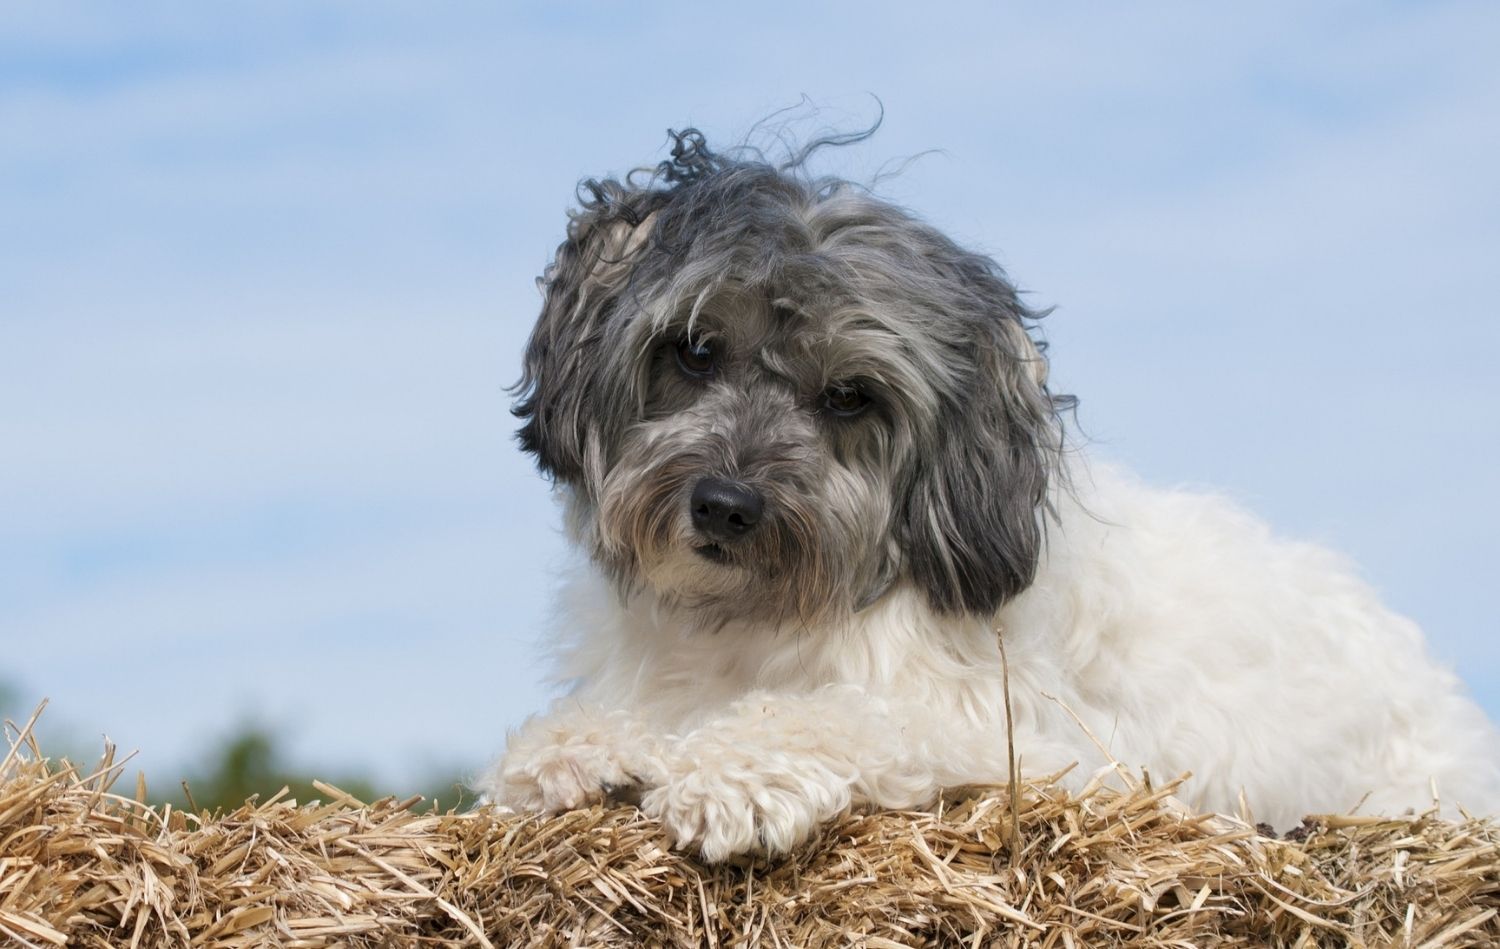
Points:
(724, 510)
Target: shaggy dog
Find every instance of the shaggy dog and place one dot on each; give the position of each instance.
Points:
(807, 445)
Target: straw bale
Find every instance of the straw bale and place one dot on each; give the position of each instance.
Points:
(84, 865)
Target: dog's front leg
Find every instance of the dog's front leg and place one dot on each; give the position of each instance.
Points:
(764, 775)
(575, 755)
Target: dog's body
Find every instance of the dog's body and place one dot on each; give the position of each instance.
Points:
(808, 450)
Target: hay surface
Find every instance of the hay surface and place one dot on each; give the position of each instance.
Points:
(83, 865)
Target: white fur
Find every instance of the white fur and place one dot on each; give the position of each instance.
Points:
(1179, 630)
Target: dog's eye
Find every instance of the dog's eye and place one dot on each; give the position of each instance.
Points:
(843, 398)
(695, 357)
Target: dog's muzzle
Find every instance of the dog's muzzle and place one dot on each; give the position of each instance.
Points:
(723, 513)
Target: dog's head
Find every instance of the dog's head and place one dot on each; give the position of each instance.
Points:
(774, 397)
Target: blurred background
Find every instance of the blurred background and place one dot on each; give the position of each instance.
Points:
(266, 269)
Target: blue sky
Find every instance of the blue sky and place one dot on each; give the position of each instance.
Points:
(265, 270)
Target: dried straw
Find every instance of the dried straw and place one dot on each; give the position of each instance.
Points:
(83, 865)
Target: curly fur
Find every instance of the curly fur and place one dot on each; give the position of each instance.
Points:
(844, 649)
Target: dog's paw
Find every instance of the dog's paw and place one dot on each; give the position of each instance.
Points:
(556, 767)
(562, 778)
(723, 815)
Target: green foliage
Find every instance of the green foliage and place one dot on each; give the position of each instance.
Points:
(249, 764)
(246, 763)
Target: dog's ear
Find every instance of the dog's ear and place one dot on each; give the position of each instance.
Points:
(563, 389)
(971, 529)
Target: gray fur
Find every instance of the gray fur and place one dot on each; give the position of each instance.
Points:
(799, 283)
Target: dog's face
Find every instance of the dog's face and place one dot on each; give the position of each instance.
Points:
(773, 398)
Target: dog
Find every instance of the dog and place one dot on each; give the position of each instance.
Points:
(807, 450)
